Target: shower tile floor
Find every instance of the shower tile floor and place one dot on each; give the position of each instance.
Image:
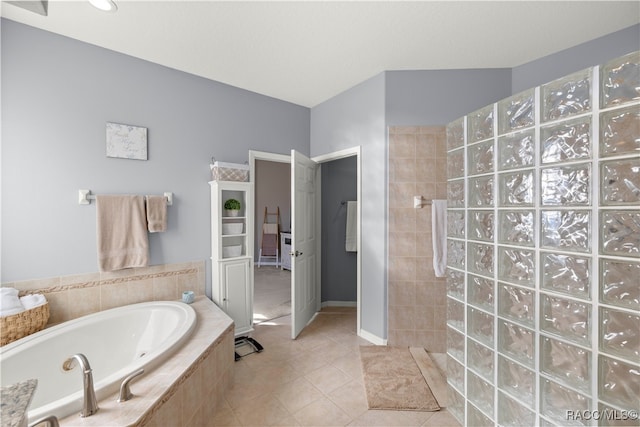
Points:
(315, 380)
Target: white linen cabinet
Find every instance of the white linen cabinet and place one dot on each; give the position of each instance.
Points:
(232, 252)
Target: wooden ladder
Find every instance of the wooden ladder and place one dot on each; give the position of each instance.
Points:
(270, 242)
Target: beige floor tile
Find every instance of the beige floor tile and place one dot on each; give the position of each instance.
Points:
(327, 379)
(277, 375)
(243, 394)
(315, 380)
(297, 394)
(322, 412)
(308, 361)
(225, 416)
(350, 398)
(264, 410)
(287, 422)
(392, 418)
(442, 419)
(350, 364)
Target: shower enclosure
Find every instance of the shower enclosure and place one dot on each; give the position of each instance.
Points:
(543, 294)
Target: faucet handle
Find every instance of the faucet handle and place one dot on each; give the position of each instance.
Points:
(51, 420)
(125, 391)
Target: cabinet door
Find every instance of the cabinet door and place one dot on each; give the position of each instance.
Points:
(237, 302)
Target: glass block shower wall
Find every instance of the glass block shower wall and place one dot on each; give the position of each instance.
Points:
(543, 286)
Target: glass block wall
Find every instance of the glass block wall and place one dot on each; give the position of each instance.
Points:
(543, 286)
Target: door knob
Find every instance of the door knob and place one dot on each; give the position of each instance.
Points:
(296, 253)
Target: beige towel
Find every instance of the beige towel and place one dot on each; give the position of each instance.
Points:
(156, 213)
(270, 228)
(122, 232)
(269, 245)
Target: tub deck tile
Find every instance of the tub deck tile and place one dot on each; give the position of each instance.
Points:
(160, 395)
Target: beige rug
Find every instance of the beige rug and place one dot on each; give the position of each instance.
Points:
(393, 380)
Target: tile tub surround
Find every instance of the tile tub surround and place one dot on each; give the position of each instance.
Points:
(187, 389)
(74, 296)
(417, 298)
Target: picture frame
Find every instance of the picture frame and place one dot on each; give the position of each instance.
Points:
(126, 141)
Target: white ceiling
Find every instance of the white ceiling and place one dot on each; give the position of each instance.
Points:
(306, 52)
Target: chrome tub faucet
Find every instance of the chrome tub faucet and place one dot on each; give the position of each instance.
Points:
(90, 403)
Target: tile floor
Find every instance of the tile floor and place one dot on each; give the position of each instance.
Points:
(271, 293)
(315, 380)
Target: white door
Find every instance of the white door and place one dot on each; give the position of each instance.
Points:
(304, 260)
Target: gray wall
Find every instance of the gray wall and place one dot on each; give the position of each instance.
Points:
(339, 267)
(57, 94)
(594, 52)
(360, 116)
(425, 98)
(273, 190)
(357, 118)
(434, 98)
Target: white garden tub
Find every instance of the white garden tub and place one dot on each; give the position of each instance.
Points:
(116, 342)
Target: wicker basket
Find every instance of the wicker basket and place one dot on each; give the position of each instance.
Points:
(24, 323)
(229, 172)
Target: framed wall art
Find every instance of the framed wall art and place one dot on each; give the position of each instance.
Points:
(126, 141)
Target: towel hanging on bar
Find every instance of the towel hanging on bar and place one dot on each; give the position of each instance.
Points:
(351, 241)
(122, 237)
(156, 213)
(439, 236)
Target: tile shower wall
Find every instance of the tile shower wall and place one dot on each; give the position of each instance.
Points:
(543, 318)
(417, 299)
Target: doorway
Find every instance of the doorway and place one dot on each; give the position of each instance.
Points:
(339, 255)
(272, 205)
(333, 216)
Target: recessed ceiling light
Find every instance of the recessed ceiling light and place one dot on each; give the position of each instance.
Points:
(105, 5)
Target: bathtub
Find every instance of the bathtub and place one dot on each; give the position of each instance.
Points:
(116, 342)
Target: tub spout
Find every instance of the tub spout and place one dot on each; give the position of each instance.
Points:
(90, 403)
(125, 391)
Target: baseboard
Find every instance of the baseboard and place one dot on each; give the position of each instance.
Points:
(339, 304)
(374, 339)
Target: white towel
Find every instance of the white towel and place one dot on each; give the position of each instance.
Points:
(351, 243)
(9, 302)
(11, 292)
(439, 236)
(32, 301)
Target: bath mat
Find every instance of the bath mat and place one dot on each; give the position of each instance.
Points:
(393, 380)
